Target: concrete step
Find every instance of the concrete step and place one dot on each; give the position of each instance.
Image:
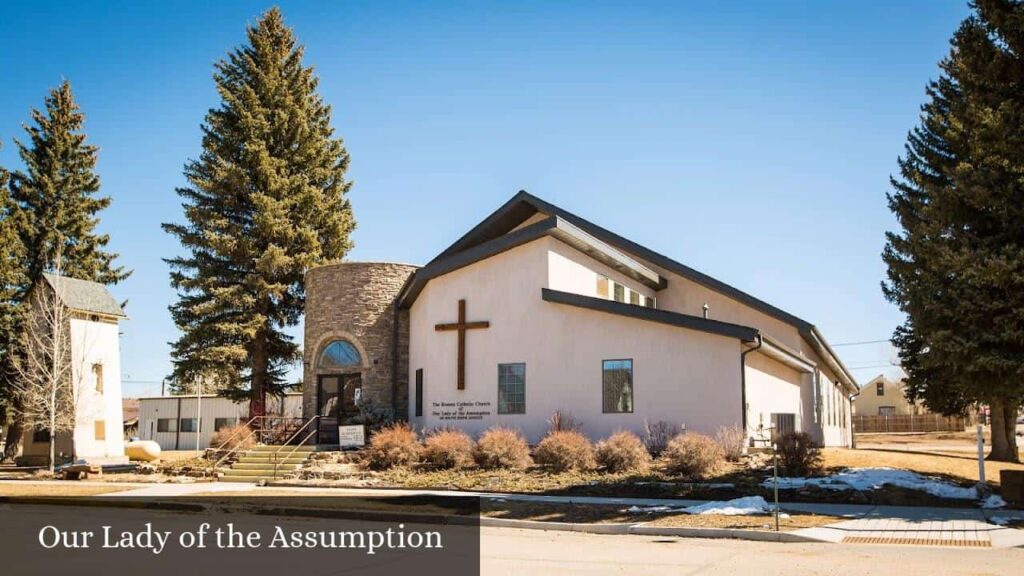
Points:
(264, 466)
(254, 460)
(258, 473)
(285, 449)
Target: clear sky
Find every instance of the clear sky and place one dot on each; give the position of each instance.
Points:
(752, 141)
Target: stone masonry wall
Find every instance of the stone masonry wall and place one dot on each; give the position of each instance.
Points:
(354, 301)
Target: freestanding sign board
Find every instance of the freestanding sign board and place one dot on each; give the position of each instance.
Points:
(351, 436)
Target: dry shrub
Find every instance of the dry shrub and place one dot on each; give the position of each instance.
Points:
(565, 450)
(500, 447)
(693, 456)
(394, 445)
(657, 435)
(447, 449)
(732, 439)
(563, 422)
(798, 454)
(237, 437)
(623, 452)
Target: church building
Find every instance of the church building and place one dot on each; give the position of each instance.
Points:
(536, 310)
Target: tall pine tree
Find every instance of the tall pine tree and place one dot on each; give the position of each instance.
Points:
(266, 200)
(957, 266)
(10, 280)
(54, 208)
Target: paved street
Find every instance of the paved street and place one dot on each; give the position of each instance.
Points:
(529, 552)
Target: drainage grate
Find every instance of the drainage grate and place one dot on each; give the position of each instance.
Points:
(916, 541)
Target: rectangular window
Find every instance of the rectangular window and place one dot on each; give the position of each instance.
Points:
(886, 410)
(419, 392)
(617, 386)
(166, 425)
(100, 429)
(620, 292)
(602, 287)
(41, 435)
(634, 297)
(880, 389)
(512, 388)
(650, 301)
(188, 424)
(97, 372)
(219, 423)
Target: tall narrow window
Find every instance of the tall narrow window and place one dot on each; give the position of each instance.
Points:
(512, 388)
(620, 292)
(650, 302)
(97, 372)
(602, 287)
(634, 297)
(880, 389)
(100, 429)
(617, 386)
(419, 391)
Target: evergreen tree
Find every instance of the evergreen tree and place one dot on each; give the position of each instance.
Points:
(54, 209)
(957, 266)
(266, 200)
(10, 279)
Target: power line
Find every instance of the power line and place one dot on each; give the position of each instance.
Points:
(860, 343)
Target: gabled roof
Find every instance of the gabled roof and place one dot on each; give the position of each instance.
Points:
(84, 296)
(498, 233)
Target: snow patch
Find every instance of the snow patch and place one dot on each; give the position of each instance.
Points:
(1000, 520)
(862, 479)
(993, 501)
(746, 506)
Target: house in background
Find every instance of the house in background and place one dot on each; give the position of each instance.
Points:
(886, 397)
(93, 317)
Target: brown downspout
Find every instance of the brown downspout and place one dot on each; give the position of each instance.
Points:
(743, 378)
(394, 357)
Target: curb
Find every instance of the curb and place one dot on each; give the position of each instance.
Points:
(483, 521)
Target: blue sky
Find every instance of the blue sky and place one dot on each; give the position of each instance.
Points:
(752, 141)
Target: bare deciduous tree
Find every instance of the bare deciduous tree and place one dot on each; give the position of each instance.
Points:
(44, 384)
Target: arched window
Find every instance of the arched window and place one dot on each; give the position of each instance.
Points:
(340, 354)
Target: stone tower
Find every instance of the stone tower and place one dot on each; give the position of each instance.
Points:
(356, 343)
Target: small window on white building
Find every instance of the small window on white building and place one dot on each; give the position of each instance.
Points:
(620, 292)
(650, 301)
(602, 287)
(219, 423)
(188, 424)
(617, 386)
(512, 388)
(97, 372)
(634, 297)
(100, 429)
(166, 425)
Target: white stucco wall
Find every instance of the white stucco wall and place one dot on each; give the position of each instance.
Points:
(681, 376)
(97, 342)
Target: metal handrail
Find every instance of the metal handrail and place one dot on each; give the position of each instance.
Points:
(230, 438)
(277, 461)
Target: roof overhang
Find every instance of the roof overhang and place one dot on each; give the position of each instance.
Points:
(743, 333)
(785, 355)
(554, 226)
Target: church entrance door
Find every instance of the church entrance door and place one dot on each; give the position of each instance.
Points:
(338, 397)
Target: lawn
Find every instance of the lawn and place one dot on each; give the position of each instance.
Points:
(959, 467)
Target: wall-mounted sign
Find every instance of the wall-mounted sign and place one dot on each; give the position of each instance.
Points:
(351, 436)
(460, 410)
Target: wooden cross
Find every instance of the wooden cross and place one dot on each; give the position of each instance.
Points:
(462, 326)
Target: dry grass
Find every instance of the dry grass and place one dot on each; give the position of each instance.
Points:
(793, 522)
(57, 489)
(324, 500)
(961, 467)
